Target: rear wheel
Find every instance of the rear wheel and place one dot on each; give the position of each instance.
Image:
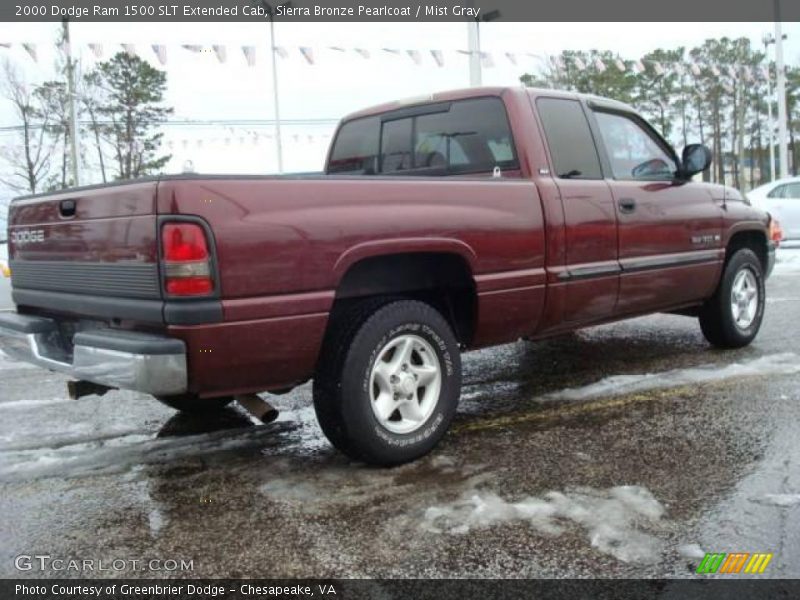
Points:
(388, 382)
(732, 317)
(190, 403)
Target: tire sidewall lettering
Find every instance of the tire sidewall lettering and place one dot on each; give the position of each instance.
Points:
(437, 418)
(755, 270)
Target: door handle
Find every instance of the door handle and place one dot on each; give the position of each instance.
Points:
(627, 205)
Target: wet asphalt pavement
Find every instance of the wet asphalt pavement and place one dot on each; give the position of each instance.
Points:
(626, 450)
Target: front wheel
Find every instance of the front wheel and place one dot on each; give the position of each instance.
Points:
(388, 382)
(732, 317)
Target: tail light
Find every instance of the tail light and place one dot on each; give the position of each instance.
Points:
(187, 260)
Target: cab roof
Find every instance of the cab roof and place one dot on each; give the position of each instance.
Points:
(477, 92)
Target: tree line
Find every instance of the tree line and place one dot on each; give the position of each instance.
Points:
(705, 104)
(119, 105)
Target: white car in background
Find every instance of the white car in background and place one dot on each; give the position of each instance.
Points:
(781, 199)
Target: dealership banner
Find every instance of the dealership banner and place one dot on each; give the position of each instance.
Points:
(397, 10)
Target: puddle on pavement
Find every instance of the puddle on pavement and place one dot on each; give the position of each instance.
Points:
(181, 437)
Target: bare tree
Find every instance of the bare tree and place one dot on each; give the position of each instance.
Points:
(30, 161)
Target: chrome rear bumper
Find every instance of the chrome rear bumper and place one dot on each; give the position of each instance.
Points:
(143, 362)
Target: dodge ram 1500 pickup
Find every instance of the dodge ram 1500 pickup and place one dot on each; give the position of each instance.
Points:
(441, 224)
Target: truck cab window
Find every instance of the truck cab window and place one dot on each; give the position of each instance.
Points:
(569, 138)
(632, 151)
(396, 146)
(472, 137)
(439, 150)
(355, 150)
(469, 136)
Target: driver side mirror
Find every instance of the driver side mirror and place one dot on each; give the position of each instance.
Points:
(696, 158)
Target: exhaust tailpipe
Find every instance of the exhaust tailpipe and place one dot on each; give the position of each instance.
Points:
(258, 407)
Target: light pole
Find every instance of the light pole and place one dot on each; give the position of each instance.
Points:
(276, 98)
(474, 45)
(72, 106)
(783, 156)
(768, 39)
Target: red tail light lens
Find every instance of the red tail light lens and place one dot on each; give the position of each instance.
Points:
(184, 241)
(187, 262)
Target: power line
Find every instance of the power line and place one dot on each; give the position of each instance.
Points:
(200, 123)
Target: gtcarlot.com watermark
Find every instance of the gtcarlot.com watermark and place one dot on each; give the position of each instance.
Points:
(46, 562)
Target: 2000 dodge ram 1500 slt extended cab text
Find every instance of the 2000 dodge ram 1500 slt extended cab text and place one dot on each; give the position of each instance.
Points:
(462, 220)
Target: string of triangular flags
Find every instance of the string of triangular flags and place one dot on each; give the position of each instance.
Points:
(223, 137)
(312, 54)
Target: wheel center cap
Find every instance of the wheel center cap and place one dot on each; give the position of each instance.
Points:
(406, 384)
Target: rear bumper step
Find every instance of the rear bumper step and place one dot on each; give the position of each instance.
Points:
(130, 360)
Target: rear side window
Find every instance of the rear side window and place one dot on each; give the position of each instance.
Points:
(787, 190)
(792, 191)
(569, 139)
(468, 136)
(777, 192)
(356, 148)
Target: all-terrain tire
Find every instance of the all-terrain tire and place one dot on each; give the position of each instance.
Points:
(345, 384)
(724, 318)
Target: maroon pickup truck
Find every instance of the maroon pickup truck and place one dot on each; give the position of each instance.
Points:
(441, 224)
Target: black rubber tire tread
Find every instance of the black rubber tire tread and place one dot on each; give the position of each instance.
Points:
(342, 405)
(189, 403)
(326, 389)
(716, 319)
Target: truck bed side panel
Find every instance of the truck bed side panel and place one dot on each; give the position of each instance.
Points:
(283, 245)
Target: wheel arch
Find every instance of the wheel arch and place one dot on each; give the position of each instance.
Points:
(753, 238)
(437, 272)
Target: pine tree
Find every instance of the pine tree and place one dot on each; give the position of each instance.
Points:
(132, 111)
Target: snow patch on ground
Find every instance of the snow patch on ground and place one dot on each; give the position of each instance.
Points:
(156, 521)
(6, 362)
(118, 454)
(16, 404)
(691, 551)
(785, 363)
(782, 500)
(787, 260)
(612, 519)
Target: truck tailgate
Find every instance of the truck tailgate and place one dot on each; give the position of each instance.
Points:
(90, 252)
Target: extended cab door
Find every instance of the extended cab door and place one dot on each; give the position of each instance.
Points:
(669, 232)
(588, 281)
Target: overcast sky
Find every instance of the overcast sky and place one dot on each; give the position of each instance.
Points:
(202, 88)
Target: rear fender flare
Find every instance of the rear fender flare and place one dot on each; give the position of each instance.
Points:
(359, 252)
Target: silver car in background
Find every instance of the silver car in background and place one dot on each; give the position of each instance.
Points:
(781, 199)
